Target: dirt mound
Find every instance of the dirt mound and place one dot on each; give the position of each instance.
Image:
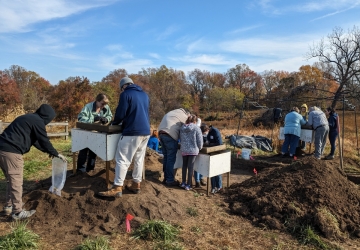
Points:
(306, 192)
(80, 212)
(267, 118)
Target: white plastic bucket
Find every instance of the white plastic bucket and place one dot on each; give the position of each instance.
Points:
(245, 153)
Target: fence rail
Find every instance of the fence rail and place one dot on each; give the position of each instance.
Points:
(3, 125)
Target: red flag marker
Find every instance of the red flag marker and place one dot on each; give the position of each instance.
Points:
(255, 172)
(129, 217)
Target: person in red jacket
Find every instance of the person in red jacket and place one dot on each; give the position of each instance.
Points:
(25, 131)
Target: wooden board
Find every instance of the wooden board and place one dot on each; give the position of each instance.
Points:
(206, 150)
(99, 127)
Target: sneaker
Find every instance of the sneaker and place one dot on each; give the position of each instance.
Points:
(23, 214)
(213, 191)
(329, 157)
(202, 182)
(197, 185)
(81, 170)
(7, 210)
(183, 185)
(187, 187)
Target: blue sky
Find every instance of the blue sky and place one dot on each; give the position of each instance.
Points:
(62, 38)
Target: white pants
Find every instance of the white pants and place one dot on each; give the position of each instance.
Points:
(127, 148)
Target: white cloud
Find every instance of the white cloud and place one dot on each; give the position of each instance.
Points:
(166, 33)
(202, 59)
(154, 55)
(19, 15)
(120, 61)
(289, 64)
(271, 47)
(280, 7)
(114, 47)
(242, 30)
(333, 13)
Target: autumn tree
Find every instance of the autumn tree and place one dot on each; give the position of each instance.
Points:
(166, 85)
(243, 78)
(70, 96)
(341, 52)
(223, 99)
(9, 93)
(32, 87)
(110, 85)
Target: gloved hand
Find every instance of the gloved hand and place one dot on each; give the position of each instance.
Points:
(103, 120)
(96, 118)
(63, 158)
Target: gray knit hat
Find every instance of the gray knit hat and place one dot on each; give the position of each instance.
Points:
(125, 80)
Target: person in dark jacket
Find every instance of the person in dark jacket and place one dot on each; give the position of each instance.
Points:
(93, 112)
(191, 143)
(214, 139)
(25, 131)
(133, 113)
(334, 130)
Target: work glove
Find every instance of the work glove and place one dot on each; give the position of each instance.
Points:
(96, 118)
(63, 158)
(103, 120)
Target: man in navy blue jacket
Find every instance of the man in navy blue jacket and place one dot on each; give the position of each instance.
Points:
(133, 113)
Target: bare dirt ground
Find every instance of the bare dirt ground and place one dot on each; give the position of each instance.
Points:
(254, 213)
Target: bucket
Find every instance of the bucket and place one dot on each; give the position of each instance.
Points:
(58, 176)
(245, 153)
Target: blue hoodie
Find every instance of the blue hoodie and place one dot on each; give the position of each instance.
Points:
(133, 111)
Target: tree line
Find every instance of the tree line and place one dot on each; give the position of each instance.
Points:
(335, 75)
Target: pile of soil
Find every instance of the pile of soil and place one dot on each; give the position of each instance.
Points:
(307, 192)
(283, 192)
(80, 212)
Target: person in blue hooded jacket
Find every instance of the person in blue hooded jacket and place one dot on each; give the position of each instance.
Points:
(133, 113)
(292, 131)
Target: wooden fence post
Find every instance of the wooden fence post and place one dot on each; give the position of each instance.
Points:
(66, 130)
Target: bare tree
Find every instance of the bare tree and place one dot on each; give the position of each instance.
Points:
(341, 51)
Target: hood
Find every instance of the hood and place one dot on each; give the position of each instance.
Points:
(306, 107)
(133, 87)
(188, 127)
(46, 112)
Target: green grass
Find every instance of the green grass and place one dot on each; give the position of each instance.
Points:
(156, 230)
(305, 234)
(168, 246)
(192, 211)
(309, 237)
(99, 243)
(195, 229)
(19, 238)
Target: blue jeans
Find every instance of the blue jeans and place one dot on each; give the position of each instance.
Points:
(197, 176)
(321, 135)
(169, 149)
(333, 134)
(216, 181)
(292, 141)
